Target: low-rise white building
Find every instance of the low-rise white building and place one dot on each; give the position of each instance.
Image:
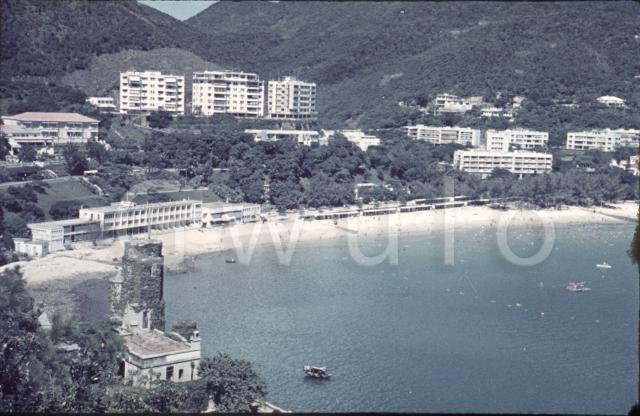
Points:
(448, 103)
(238, 94)
(501, 140)
(48, 129)
(483, 162)
(360, 139)
(103, 103)
(605, 140)
(291, 99)
(151, 91)
(223, 213)
(444, 135)
(630, 165)
(50, 236)
(611, 101)
(303, 137)
(495, 112)
(127, 218)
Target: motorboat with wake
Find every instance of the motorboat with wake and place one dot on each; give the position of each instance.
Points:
(316, 372)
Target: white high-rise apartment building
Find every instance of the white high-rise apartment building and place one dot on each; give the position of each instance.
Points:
(499, 140)
(291, 99)
(151, 91)
(604, 140)
(444, 135)
(239, 94)
(483, 162)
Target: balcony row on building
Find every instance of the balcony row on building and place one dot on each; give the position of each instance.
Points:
(127, 218)
(239, 94)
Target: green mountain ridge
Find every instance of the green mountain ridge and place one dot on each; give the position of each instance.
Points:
(543, 50)
(365, 57)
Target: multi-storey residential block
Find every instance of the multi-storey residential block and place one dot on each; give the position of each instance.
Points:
(363, 141)
(444, 135)
(303, 137)
(151, 91)
(604, 140)
(500, 140)
(291, 99)
(48, 129)
(483, 162)
(239, 94)
(102, 103)
(126, 218)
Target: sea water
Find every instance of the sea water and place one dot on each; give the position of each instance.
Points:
(478, 335)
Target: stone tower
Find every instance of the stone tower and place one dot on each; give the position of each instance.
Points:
(136, 291)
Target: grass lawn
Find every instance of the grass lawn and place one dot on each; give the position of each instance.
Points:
(64, 191)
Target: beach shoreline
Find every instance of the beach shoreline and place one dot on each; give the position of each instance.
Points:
(185, 244)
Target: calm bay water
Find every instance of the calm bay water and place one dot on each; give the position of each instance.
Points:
(479, 336)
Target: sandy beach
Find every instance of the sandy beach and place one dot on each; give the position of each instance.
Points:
(179, 245)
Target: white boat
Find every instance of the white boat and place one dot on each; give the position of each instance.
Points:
(316, 372)
(577, 287)
(603, 265)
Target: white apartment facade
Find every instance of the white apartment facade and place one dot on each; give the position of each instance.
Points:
(127, 218)
(291, 99)
(483, 162)
(604, 140)
(151, 91)
(48, 129)
(444, 135)
(238, 94)
(360, 139)
(500, 140)
(103, 103)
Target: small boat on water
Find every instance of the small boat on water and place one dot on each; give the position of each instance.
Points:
(230, 260)
(316, 372)
(604, 265)
(577, 287)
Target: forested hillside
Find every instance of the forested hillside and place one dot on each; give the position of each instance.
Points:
(40, 41)
(368, 56)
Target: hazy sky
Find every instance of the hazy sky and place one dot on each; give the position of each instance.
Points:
(179, 9)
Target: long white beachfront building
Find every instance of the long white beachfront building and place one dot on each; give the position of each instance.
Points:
(151, 91)
(483, 162)
(606, 140)
(127, 218)
(238, 94)
(48, 129)
(501, 140)
(444, 135)
(291, 99)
